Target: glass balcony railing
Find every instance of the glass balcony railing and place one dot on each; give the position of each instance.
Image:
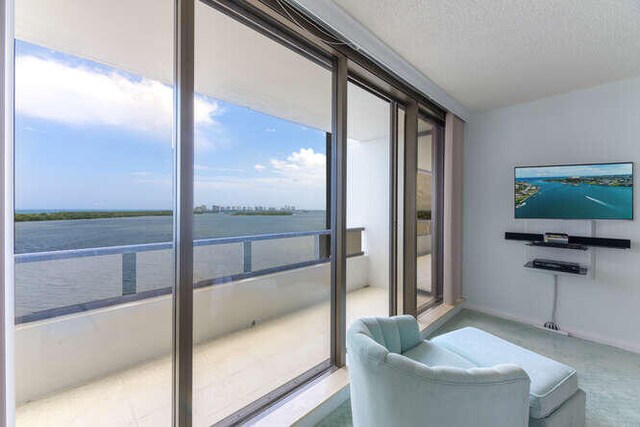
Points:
(57, 283)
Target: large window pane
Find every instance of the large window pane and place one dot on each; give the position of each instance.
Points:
(368, 203)
(262, 276)
(93, 194)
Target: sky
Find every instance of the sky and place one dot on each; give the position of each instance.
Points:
(579, 170)
(88, 136)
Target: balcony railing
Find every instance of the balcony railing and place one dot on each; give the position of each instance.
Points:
(130, 292)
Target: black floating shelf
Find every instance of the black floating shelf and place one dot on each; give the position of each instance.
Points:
(573, 246)
(583, 270)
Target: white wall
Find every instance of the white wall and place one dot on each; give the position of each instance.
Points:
(368, 203)
(368, 169)
(600, 124)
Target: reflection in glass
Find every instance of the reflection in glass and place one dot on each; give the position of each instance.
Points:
(93, 233)
(426, 292)
(262, 276)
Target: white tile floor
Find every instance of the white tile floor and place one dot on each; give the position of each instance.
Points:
(229, 373)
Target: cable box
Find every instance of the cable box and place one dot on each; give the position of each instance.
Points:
(549, 264)
(556, 238)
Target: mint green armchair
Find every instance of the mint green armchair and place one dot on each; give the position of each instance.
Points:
(398, 379)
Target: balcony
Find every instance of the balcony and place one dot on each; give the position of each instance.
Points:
(125, 379)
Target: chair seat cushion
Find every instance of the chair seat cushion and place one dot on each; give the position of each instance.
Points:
(552, 383)
(433, 355)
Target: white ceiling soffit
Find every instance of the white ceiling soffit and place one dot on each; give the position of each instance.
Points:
(233, 62)
(363, 39)
(490, 54)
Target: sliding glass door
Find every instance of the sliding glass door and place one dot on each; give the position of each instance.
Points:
(313, 182)
(93, 209)
(261, 300)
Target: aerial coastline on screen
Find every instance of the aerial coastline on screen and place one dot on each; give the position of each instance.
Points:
(575, 192)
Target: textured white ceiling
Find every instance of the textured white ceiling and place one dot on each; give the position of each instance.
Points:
(493, 53)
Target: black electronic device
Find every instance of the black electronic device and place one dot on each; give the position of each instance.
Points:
(556, 238)
(526, 237)
(604, 242)
(549, 264)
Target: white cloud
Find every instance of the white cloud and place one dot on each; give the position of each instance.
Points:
(200, 167)
(304, 166)
(259, 167)
(50, 89)
(270, 130)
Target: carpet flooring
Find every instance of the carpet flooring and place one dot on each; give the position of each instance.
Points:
(609, 376)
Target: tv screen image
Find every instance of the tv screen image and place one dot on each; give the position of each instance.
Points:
(589, 191)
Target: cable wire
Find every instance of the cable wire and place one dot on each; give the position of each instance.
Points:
(335, 41)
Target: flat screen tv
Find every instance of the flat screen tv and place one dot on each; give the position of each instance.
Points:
(587, 191)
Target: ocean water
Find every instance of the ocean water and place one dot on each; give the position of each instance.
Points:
(557, 200)
(41, 236)
(46, 285)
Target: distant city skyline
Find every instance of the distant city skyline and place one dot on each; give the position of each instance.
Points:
(238, 207)
(108, 144)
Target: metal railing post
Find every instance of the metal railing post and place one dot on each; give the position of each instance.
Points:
(246, 256)
(129, 274)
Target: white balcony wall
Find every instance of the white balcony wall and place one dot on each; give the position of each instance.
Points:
(67, 351)
(368, 203)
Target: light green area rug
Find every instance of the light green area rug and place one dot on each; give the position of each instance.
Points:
(609, 376)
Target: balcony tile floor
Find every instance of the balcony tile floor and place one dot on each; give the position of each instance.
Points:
(229, 372)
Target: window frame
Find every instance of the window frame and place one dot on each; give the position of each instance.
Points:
(321, 45)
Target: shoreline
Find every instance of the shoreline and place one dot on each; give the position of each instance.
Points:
(78, 215)
(75, 215)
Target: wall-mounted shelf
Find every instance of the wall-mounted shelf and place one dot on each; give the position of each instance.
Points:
(581, 253)
(583, 270)
(574, 246)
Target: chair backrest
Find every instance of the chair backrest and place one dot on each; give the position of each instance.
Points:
(396, 334)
